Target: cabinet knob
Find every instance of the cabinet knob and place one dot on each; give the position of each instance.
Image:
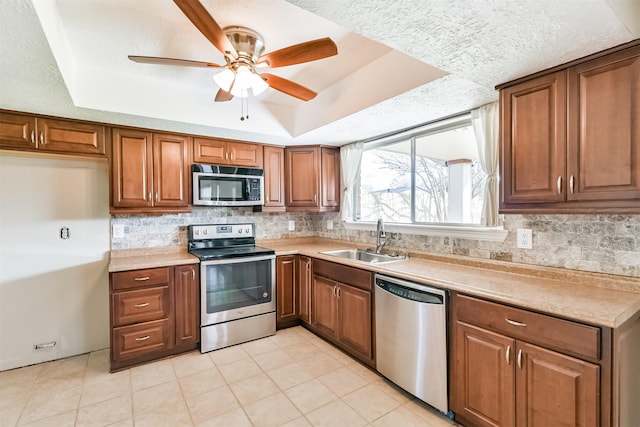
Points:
(559, 183)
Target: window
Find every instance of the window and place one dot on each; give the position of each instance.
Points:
(431, 177)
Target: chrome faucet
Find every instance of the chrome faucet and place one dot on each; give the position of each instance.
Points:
(381, 236)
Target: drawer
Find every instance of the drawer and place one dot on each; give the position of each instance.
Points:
(138, 278)
(362, 279)
(558, 334)
(140, 305)
(142, 339)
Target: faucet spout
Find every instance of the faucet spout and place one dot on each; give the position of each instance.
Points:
(381, 236)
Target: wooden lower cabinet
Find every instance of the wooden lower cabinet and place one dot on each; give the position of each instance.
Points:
(154, 313)
(342, 308)
(286, 298)
(303, 288)
(503, 380)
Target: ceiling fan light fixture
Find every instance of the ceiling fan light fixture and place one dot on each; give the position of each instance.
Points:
(224, 79)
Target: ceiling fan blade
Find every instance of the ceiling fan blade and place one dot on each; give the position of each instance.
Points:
(223, 96)
(171, 61)
(299, 53)
(288, 87)
(208, 26)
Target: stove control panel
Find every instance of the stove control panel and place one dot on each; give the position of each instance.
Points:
(221, 231)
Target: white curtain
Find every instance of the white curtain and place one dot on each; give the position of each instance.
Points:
(350, 159)
(485, 127)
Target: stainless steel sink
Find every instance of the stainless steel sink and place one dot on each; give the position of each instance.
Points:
(364, 256)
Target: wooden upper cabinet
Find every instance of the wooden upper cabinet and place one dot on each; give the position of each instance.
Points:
(570, 139)
(150, 172)
(534, 140)
(604, 128)
(27, 132)
(170, 170)
(312, 178)
(224, 152)
(274, 178)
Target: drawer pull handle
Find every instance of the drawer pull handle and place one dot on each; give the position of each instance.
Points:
(571, 184)
(141, 279)
(146, 337)
(141, 305)
(520, 358)
(508, 355)
(33, 137)
(514, 323)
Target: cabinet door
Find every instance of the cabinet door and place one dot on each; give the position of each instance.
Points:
(131, 168)
(274, 177)
(533, 140)
(483, 378)
(330, 177)
(302, 177)
(69, 137)
(554, 389)
(604, 128)
(324, 316)
(286, 290)
(187, 312)
(354, 320)
(17, 131)
(209, 150)
(170, 170)
(304, 288)
(242, 154)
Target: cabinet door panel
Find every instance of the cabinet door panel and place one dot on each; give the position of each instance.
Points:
(302, 177)
(324, 316)
(187, 298)
(604, 128)
(483, 380)
(70, 137)
(208, 150)
(170, 170)
(534, 140)
(330, 177)
(249, 155)
(354, 320)
(17, 131)
(131, 168)
(286, 289)
(554, 389)
(304, 288)
(274, 177)
(140, 305)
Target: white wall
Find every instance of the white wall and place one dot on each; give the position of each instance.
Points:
(52, 289)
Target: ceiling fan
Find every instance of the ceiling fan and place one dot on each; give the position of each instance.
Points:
(243, 52)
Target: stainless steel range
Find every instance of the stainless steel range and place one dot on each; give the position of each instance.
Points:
(237, 285)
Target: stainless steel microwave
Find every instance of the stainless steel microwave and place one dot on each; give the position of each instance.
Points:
(215, 185)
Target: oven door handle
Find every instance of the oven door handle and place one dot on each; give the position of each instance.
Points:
(243, 259)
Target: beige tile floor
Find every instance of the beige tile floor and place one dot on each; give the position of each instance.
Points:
(290, 379)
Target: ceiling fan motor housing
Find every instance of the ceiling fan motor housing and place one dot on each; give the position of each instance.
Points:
(248, 43)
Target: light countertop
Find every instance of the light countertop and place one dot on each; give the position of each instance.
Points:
(599, 299)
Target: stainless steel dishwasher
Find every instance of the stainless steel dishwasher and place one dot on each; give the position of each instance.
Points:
(411, 338)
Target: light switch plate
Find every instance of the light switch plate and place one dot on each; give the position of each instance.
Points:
(524, 238)
(329, 224)
(292, 225)
(118, 231)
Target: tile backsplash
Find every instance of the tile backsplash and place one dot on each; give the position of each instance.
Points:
(598, 243)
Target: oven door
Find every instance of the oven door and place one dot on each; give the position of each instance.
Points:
(236, 288)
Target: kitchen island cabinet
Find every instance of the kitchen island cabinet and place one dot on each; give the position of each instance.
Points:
(570, 137)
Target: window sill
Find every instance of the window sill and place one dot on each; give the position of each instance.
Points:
(495, 234)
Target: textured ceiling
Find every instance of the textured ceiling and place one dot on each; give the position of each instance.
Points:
(381, 80)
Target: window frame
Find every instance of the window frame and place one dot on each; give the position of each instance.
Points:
(460, 230)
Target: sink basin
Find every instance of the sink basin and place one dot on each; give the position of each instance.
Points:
(364, 256)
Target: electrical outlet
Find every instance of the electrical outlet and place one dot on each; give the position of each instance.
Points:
(329, 224)
(118, 231)
(292, 225)
(524, 238)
